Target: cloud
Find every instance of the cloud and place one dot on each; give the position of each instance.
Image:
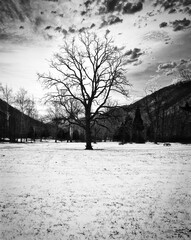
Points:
(132, 7)
(132, 56)
(167, 65)
(163, 24)
(138, 62)
(87, 3)
(14, 38)
(48, 36)
(111, 5)
(72, 29)
(112, 19)
(104, 23)
(170, 72)
(136, 52)
(129, 52)
(171, 68)
(125, 7)
(64, 31)
(93, 25)
(172, 10)
(175, 4)
(37, 22)
(83, 13)
(184, 64)
(47, 27)
(6, 49)
(156, 36)
(82, 29)
(58, 29)
(180, 24)
(187, 10)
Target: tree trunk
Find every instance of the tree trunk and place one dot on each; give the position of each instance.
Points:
(88, 134)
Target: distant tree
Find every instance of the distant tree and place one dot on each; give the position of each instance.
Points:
(26, 105)
(86, 71)
(55, 115)
(21, 100)
(61, 135)
(120, 133)
(154, 109)
(76, 135)
(6, 94)
(31, 109)
(31, 134)
(181, 75)
(129, 128)
(186, 108)
(138, 127)
(124, 132)
(185, 74)
(45, 133)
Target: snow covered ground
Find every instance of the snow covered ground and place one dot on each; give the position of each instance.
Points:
(61, 191)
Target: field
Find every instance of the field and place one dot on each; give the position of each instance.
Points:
(52, 191)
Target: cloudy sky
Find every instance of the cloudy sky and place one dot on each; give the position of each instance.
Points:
(154, 35)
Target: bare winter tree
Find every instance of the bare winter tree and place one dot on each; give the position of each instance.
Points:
(25, 103)
(55, 114)
(84, 74)
(185, 74)
(6, 93)
(31, 110)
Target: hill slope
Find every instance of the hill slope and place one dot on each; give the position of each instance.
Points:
(15, 125)
(163, 113)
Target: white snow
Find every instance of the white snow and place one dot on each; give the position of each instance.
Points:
(61, 191)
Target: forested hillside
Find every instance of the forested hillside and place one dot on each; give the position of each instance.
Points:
(163, 116)
(16, 125)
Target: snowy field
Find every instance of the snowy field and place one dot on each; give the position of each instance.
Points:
(59, 191)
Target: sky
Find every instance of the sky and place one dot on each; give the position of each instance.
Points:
(154, 35)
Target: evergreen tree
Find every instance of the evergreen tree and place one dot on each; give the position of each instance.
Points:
(138, 127)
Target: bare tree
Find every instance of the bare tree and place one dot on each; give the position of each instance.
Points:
(185, 74)
(21, 100)
(54, 114)
(31, 110)
(84, 73)
(25, 103)
(6, 94)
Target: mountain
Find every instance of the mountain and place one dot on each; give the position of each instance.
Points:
(171, 96)
(15, 125)
(165, 113)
